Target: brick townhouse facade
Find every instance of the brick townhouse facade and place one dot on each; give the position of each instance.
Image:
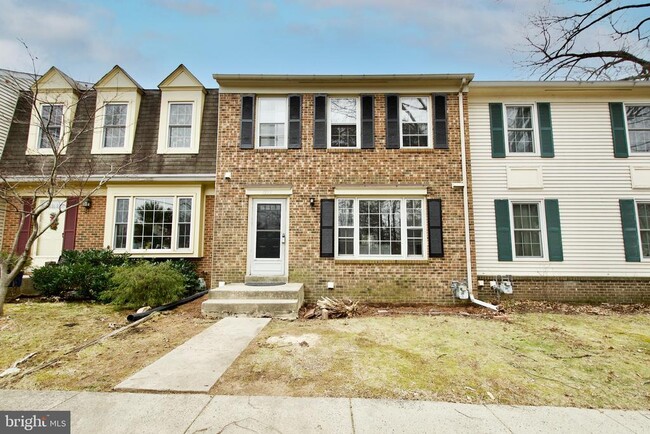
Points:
(301, 157)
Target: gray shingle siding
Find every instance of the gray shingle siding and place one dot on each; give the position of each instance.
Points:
(143, 160)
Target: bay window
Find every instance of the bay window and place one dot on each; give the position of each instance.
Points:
(390, 228)
(153, 223)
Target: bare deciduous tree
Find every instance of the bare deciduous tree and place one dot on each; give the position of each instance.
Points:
(601, 39)
(54, 175)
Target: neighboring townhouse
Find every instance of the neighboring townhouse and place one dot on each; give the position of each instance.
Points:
(11, 84)
(561, 177)
(350, 185)
(157, 146)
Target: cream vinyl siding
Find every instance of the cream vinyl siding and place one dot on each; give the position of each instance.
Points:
(584, 176)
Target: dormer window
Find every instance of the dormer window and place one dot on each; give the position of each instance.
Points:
(51, 121)
(115, 125)
(51, 126)
(180, 125)
(116, 113)
(181, 109)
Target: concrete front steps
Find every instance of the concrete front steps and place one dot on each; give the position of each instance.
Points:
(281, 300)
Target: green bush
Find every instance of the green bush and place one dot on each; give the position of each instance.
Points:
(145, 284)
(188, 270)
(80, 275)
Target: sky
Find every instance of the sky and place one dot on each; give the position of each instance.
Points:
(150, 38)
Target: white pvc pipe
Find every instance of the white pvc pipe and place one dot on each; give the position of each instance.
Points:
(468, 244)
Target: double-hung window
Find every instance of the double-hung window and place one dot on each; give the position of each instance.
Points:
(527, 227)
(115, 125)
(51, 126)
(153, 223)
(638, 127)
(272, 122)
(643, 209)
(180, 125)
(414, 121)
(521, 129)
(380, 228)
(344, 122)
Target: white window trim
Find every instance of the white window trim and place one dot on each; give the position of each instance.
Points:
(536, 145)
(257, 123)
(69, 102)
(542, 227)
(429, 122)
(627, 129)
(329, 121)
(104, 98)
(404, 234)
(169, 97)
(193, 192)
(638, 227)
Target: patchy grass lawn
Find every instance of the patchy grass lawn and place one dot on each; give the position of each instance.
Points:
(51, 329)
(532, 359)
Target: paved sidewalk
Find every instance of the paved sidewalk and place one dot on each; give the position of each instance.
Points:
(96, 412)
(197, 364)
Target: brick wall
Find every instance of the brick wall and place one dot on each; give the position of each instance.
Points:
(10, 229)
(315, 173)
(204, 264)
(576, 289)
(90, 225)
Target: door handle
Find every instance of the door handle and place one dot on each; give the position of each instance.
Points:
(284, 239)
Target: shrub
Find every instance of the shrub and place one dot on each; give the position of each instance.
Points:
(145, 284)
(190, 276)
(80, 274)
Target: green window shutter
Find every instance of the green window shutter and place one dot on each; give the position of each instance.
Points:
(496, 131)
(553, 230)
(504, 242)
(630, 230)
(619, 132)
(545, 129)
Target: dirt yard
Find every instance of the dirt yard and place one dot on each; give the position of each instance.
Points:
(533, 354)
(587, 356)
(51, 329)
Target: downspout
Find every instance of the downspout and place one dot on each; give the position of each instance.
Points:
(468, 244)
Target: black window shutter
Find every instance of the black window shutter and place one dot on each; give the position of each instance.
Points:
(630, 230)
(295, 110)
(392, 122)
(435, 228)
(496, 131)
(327, 228)
(545, 130)
(440, 121)
(367, 122)
(247, 121)
(619, 133)
(504, 240)
(320, 122)
(553, 230)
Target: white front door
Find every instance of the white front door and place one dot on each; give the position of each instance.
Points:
(48, 246)
(267, 248)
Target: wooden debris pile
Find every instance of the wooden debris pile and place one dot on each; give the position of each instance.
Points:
(328, 307)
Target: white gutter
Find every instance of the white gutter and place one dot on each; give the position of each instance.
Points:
(468, 244)
(200, 177)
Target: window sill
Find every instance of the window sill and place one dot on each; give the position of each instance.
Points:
(346, 150)
(422, 261)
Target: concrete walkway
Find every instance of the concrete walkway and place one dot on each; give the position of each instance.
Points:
(95, 412)
(198, 363)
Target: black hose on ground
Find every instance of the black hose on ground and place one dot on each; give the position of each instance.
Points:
(168, 306)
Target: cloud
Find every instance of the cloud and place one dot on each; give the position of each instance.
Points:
(194, 8)
(81, 39)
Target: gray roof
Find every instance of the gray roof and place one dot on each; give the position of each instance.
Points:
(143, 161)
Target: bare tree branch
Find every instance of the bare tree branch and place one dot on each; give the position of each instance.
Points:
(603, 39)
